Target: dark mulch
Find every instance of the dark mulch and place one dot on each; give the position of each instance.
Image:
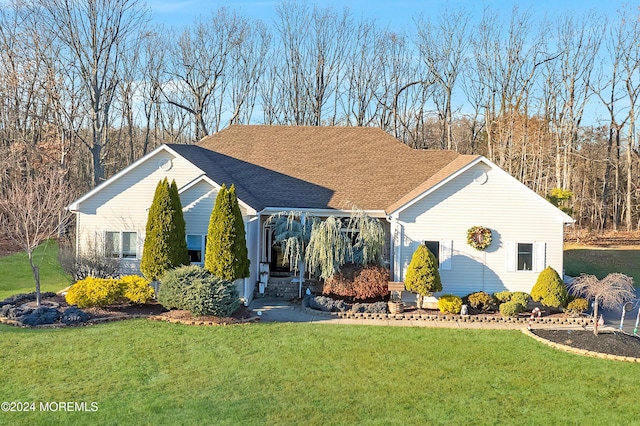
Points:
(614, 343)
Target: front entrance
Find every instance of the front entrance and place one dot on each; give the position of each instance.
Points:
(272, 253)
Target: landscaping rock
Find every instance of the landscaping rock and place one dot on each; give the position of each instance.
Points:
(19, 299)
(74, 315)
(40, 316)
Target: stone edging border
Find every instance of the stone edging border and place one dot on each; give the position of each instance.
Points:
(579, 321)
(577, 351)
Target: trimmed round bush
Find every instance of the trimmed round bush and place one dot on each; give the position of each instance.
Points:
(511, 308)
(512, 296)
(450, 304)
(94, 292)
(194, 289)
(577, 306)
(503, 296)
(520, 297)
(549, 289)
(481, 301)
(136, 289)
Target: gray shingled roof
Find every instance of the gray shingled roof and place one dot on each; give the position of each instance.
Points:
(301, 167)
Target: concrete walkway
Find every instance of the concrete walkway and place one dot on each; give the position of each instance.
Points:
(280, 310)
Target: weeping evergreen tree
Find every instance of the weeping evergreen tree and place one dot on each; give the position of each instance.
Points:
(329, 248)
(326, 245)
(226, 253)
(292, 235)
(165, 245)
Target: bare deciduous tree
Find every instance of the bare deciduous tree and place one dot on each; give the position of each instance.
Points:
(610, 292)
(33, 210)
(95, 36)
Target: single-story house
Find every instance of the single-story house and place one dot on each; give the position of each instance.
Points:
(428, 197)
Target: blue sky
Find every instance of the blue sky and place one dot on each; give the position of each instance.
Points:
(396, 14)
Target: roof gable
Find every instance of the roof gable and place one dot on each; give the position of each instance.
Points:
(456, 168)
(75, 205)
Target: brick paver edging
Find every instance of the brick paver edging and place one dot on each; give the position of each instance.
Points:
(201, 322)
(579, 321)
(577, 351)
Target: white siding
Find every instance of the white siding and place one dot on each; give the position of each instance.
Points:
(502, 204)
(123, 204)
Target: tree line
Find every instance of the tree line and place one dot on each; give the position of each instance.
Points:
(87, 87)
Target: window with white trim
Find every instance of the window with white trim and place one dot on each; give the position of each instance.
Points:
(121, 244)
(526, 256)
(195, 247)
(442, 250)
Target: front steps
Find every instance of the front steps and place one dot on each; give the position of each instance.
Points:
(284, 287)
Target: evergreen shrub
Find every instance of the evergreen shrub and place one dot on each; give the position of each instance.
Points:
(502, 296)
(448, 303)
(196, 290)
(94, 292)
(549, 289)
(511, 296)
(577, 306)
(511, 308)
(136, 289)
(422, 274)
(481, 301)
(165, 244)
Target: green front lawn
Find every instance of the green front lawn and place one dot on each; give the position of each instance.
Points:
(143, 372)
(602, 261)
(17, 277)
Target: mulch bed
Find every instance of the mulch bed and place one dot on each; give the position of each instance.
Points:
(607, 342)
(151, 310)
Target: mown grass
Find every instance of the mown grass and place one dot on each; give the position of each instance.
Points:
(16, 275)
(143, 372)
(602, 261)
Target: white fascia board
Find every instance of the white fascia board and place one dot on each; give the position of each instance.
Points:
(563, 216)
(75, 206)
(320, 212)
(204, 178)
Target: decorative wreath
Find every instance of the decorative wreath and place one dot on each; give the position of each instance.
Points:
(479, 237)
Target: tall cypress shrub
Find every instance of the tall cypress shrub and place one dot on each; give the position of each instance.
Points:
(178, 252)
(165, 242)
(241, 255)
(226, 253)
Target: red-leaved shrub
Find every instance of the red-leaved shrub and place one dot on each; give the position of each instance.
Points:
(358, 283)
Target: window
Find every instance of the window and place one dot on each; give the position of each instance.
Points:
(442, 250)
(434, 248)
(121, 245)
(525, 257)
(129, 245)
(195, 247)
